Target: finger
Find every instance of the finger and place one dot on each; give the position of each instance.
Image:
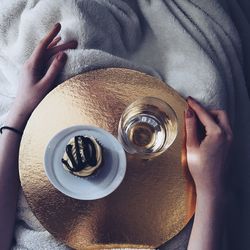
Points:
(54, 42)
(39, 51)
(54, 69)
(223, 121)
(191, 129)
(51, 35)
(204, 116)
(62, 47)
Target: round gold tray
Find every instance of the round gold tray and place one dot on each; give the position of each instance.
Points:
(155, 200)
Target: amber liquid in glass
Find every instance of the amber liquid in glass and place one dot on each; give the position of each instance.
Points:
(147, 127)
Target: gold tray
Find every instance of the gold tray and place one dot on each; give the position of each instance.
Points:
(156, 198)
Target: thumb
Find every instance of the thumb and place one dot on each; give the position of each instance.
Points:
(191, 128)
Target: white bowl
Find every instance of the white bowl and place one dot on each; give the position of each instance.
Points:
(100, 184)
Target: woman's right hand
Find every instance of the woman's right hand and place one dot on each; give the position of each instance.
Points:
(207, 157)
(38, 75)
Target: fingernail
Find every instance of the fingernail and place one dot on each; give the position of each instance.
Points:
(189, 113)
(62, 57)
(58, 39)
(74, 43)
(57, 25)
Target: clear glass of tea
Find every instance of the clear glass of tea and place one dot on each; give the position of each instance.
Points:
(147, 127)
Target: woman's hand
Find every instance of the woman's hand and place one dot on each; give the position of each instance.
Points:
(38, 78)
(207, 160)
(207, 156)
(39, 73)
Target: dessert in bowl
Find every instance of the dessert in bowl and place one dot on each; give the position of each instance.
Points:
(85, 162)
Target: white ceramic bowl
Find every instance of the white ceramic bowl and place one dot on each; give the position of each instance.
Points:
(103, 182)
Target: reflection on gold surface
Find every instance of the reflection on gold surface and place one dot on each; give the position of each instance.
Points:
(153, 202)
(190, 186)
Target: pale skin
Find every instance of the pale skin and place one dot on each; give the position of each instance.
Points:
(207, 161)
(38, 78)
(206, 158)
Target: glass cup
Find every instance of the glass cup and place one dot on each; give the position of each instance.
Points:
(147, 127)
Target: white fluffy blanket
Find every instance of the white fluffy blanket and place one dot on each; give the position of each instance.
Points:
(193, 45)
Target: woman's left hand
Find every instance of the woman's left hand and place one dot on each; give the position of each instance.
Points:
(207, 157)
(39, 72)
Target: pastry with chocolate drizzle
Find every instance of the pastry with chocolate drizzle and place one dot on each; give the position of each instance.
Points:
(83, 156)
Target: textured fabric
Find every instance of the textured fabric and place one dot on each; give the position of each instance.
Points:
(193, 45)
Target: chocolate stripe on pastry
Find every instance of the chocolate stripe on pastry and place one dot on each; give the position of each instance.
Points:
(83, 155)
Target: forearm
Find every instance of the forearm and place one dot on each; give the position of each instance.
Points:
(38, 77)
(9, 178)
(207, 231)
(207, 154)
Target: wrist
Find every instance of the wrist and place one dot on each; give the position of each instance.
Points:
(21, 109)
(219, 197)
(211, 189)
(17, 119)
